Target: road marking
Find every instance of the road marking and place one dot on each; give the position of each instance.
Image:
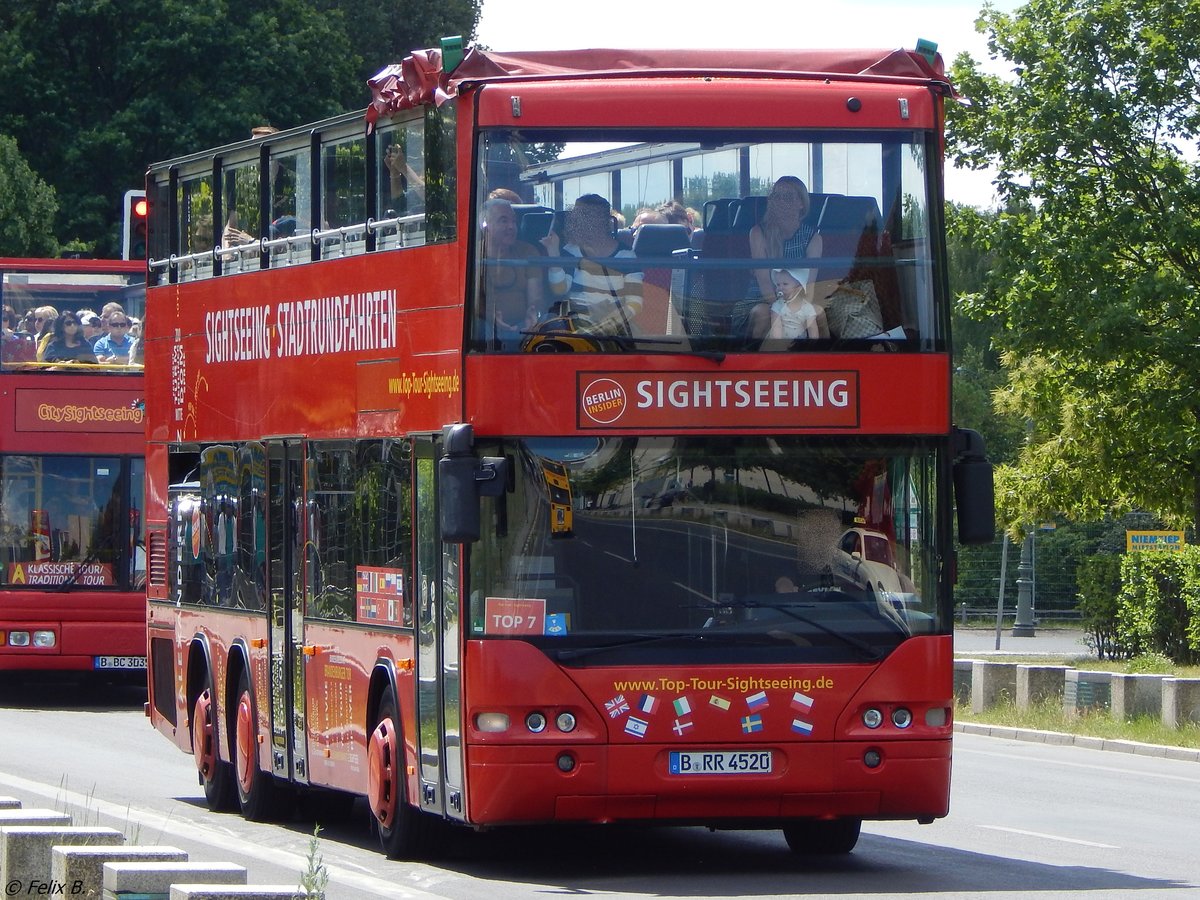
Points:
(368, 885)
(617, 556)
(1050, 837)
(1127, 770)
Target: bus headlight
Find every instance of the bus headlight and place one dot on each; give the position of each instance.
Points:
(44, 639)
(535, 722)
(872, 718)
(18, 638)
(492, 722)
(565, 722)
(901, 717)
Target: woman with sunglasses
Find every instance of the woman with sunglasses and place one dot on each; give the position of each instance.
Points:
(68, 342)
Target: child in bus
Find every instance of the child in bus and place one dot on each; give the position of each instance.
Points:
(792, 315)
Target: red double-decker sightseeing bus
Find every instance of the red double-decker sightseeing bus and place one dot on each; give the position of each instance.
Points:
(467, 499)
(72, 443)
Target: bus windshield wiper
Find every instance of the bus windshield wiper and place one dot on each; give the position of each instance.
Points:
(869, 651)
(630, 342)
(634, 640)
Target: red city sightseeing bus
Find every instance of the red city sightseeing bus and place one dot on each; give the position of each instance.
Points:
(72, 439)
(359, 581)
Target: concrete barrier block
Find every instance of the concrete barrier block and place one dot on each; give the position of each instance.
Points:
(156, 878)
(82, 868)
(1037, 684)
(9, 803)
(1087, 692)
(992, 683)
(962, 680)
(33, 817)
(25, 849)
(1180, 701)
(1136, 695)
(235, 892)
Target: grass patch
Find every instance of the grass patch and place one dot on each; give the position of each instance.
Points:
(1049, 716)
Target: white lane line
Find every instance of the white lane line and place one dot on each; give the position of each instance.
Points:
(618, 556)
(1092, 767)
(1050, 837)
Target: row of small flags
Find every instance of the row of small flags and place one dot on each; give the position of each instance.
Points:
(649, 704)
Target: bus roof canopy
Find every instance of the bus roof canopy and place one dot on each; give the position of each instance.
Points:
(419, 79)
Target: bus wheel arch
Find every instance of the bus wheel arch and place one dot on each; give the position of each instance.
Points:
(255, 789)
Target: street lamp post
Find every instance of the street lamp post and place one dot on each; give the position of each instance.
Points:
(1023, 625)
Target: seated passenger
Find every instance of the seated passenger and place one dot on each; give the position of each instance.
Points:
(68, 342)
(114, 347)
(512, 295)
(610, 296)
(792, 315)
(233, 236)
(782, 233)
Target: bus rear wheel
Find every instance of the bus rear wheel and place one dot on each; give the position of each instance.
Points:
(398, 825)
(255, 788)
(216, 776)
(822, 837)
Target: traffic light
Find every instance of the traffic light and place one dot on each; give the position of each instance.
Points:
(133, 225)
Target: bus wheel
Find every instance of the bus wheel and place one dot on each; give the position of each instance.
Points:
(255, 788)
(396, 823)
(816, 837)
(216, 776)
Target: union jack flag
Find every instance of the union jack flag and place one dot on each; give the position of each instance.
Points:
(616, 706)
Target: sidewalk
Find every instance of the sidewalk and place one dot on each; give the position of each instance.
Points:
(981, 642)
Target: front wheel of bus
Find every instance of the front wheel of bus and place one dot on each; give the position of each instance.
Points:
(216, 776)
(397, 824)
(817, 837)
(255, 788)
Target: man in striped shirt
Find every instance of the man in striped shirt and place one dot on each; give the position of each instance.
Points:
(602, 286)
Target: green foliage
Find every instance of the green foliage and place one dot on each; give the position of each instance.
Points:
(27, 206)
(315, 877)
(1159, 604)
(1096, 252)
(97, 91)
(1099, 580)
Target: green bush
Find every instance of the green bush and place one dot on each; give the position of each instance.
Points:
(1099, 580)
(1159, 604)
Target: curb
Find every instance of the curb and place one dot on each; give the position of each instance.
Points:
(1185, 754)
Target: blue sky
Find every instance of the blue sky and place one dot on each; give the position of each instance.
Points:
(564, 24)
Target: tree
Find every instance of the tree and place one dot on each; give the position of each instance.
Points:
(97, 91)
(1097, 251)
(27, 206)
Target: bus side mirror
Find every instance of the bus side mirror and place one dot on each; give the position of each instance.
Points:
(463, 478)
(973, 491)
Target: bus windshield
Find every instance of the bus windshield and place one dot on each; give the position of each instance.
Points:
(71, 521)
(608, 240)
(763, 549)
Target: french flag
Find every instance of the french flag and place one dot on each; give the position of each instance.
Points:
(648, 703)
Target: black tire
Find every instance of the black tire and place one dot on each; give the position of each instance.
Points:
(400, 827)
(256, 790)
(819, 837)
(216, 776)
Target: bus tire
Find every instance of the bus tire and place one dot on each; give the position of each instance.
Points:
(216, 776)
(255, 788)
(398, 825)
(822, 837)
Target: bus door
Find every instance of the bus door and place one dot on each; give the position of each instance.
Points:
(286, 523)
(439, 718)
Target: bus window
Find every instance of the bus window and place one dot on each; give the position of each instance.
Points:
(291, 202)
(401, 179)
(865, 221)
(243, 222)
(344, 193)
(194, 202)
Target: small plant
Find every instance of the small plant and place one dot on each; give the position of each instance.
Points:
(1150, 664)
(315, 877)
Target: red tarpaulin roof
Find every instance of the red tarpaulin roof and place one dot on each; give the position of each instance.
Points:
(420, 79)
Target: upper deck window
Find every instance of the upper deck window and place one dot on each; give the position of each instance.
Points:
(718, 241)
